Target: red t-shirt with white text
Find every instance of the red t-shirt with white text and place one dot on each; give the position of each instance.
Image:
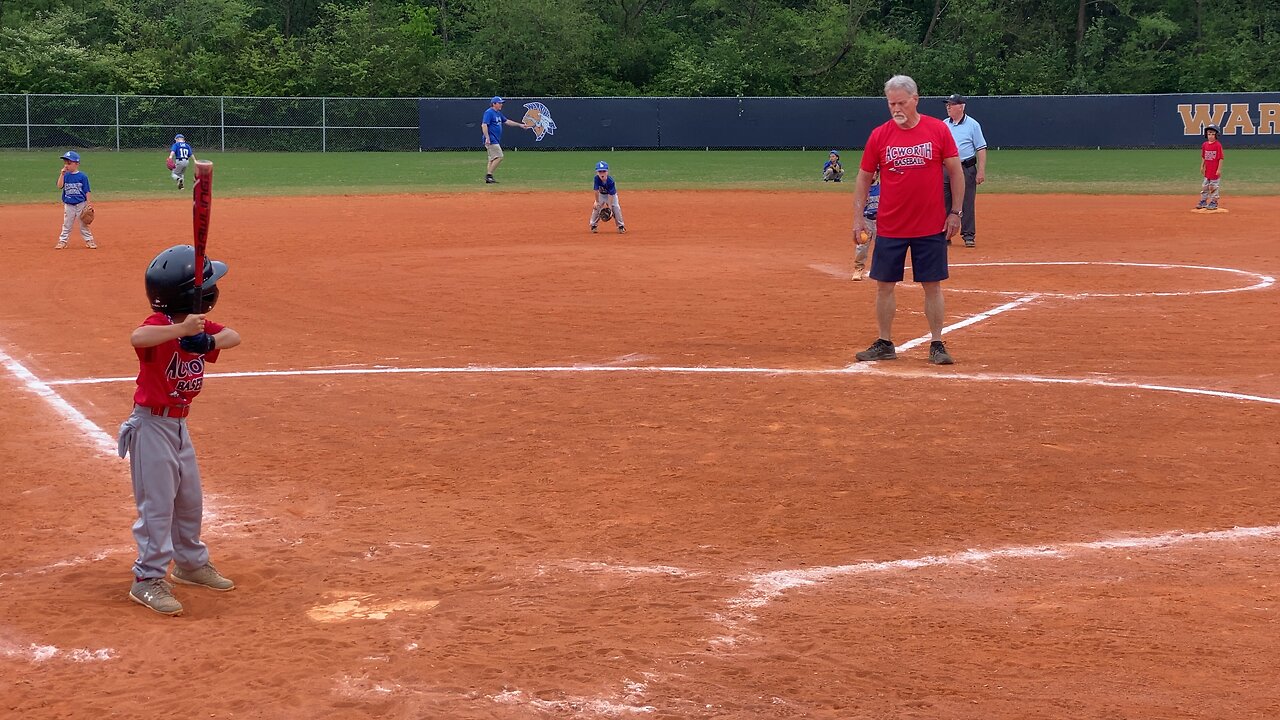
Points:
(910, 165)
(167, 374)
(1211, 153)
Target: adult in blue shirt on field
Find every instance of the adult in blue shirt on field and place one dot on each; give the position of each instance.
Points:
(491, 127)
(973, 159)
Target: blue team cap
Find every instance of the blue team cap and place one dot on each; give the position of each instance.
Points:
(602, 165)
(72, 155)
(836, 153)
(178, 137)
(496, 99)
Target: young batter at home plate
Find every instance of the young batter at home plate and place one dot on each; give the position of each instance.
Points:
(606, 204)
(173, 344)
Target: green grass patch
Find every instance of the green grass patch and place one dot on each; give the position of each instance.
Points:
(30, 176)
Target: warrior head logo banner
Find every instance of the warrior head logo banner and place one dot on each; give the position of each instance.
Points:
(537, 115)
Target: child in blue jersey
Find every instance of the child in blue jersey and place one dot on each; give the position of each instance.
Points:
(75, 200)
(832, 170)
(860, 269)
(182, 155)
(606, 203)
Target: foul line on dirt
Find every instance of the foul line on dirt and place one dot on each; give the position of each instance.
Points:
(861, 369)
(766, 586)
(1094, 382)
(41, 389)
(1260, 281)
(494, 369)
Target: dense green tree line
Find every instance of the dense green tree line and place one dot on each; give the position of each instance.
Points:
(386, 48)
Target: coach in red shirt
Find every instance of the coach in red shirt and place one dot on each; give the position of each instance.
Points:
(910, 152)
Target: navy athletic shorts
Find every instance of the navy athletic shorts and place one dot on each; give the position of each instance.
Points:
(928, 258)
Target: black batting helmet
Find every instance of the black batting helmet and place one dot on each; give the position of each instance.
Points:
(1215, 130)
(171, 282)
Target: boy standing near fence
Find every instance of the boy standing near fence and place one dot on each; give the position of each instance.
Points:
(75, 201)
(832, 170)
(1211, 169)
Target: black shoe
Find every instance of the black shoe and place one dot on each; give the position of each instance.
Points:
(488, 179)
(193, 272)
(881, 349)
(968, 242)
(938, 354)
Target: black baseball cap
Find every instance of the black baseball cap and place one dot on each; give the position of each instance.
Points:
(955, 99)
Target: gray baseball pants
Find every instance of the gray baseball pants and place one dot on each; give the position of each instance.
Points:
(166, 488)
(603, 199)
(70, 216)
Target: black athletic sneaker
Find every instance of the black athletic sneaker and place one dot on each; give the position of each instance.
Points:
(881, 349)
(488, 180)
(938, 354)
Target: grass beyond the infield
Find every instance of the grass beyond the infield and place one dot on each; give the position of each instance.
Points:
(30, 176)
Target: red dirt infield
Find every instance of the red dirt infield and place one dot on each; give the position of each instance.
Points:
(473, 461)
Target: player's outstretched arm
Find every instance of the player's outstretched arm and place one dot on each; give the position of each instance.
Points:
(153, 335)
(227, 338)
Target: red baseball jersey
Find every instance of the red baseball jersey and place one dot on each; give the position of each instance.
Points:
(910, 165)
(1211, 153)
(167, 374)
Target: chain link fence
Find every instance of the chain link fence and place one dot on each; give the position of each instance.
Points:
(127, 122)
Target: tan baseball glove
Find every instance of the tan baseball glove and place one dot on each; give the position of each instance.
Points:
(86, 217)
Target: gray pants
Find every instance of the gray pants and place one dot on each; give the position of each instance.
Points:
(968, 223)
(859, 251)
(601, 200)
(180, 172)
(166, 488)
(71, 215)
(1209, 193)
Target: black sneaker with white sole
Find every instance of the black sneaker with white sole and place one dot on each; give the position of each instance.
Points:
(881, 349)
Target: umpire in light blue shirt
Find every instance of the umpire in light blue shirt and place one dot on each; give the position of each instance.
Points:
(973, 158)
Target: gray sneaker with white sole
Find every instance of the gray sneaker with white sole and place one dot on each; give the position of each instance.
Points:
(155, 594)
(205, 576)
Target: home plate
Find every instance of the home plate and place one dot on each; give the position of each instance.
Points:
(364, 607)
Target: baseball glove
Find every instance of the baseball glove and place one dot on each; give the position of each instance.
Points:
(86, 218)
(606, 213)
(170, 163)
